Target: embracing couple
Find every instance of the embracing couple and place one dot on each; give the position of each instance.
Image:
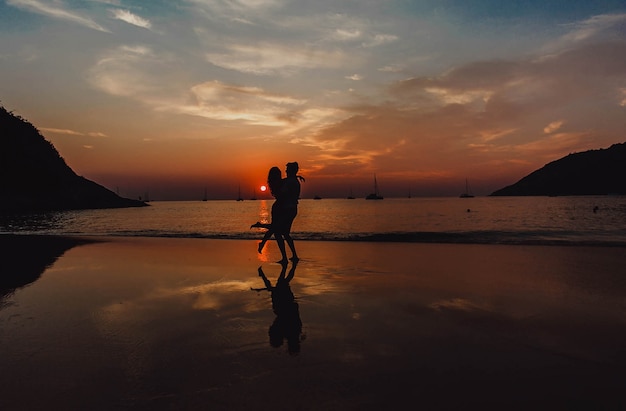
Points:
(286, 191)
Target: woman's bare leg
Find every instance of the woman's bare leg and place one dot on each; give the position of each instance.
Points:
(267, 236)
(259, 224)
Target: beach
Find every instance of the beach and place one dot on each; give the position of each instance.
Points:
(116, 323)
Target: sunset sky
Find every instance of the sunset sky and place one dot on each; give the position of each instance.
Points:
(171, 97)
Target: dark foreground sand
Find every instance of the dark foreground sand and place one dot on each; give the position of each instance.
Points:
(169, 324)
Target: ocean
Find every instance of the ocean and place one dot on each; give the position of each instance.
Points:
(588, 220)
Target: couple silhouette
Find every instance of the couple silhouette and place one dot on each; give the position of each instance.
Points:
(287, 325)
(286, 192)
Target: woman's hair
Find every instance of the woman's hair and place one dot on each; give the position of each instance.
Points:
(274, 180)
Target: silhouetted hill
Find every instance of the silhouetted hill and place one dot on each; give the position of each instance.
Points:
(34, 177)
(593, 172)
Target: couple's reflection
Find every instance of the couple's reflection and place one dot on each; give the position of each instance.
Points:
(287, 325)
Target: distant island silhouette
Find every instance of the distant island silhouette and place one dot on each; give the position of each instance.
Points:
(35, 178)
(593, 172)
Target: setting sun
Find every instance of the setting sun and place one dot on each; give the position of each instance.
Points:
(263, 188)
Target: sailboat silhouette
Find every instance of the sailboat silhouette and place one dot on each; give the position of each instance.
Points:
(375, 195)
(239, 198)
(467, 193)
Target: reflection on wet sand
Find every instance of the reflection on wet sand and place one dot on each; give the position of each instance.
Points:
(23, 258)
(287, 325)
(161, 324)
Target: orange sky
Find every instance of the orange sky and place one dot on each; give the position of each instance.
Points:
(171, 100)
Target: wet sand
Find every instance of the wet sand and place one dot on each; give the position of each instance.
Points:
(163, 324)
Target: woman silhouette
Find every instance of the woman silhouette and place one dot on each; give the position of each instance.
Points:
(275, 183)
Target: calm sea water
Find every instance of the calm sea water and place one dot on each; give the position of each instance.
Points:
(494, 220)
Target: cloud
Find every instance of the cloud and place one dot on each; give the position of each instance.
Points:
(61, 131)
(236, 5)
(595, 25)
(56, 11)
(380, 39)
(240, 11)
(596, 28)
(251, 105)
(136, 72)
(573, 74)
(486, 111)
(391, 68)
(355, 77)
(272, 59)
(130, 18)
(126, 71)
(109, 2)
(68, 132)
(552, 127)
(343, 34)
(489, 135)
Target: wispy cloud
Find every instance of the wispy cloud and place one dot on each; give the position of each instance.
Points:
(68, 132)
(552, 127)
(136, 72)
(130, 18)
(391, 68)
(56, 10)
(125, 71)
(380, 39)
(493, 110)
(355, 77)
(270, 59)
(61, 131)
(344, 34)
(236, 5)
(241, 11)
(252, 105)
(600, 27)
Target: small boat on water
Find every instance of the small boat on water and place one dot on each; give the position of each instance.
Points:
(375, 195)
(468, 192)
(317, 198)
(239, 198)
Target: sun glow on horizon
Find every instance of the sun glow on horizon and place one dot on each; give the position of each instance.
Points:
(263, 188)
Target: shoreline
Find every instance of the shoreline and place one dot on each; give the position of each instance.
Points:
(442, 238)
(160, 323)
